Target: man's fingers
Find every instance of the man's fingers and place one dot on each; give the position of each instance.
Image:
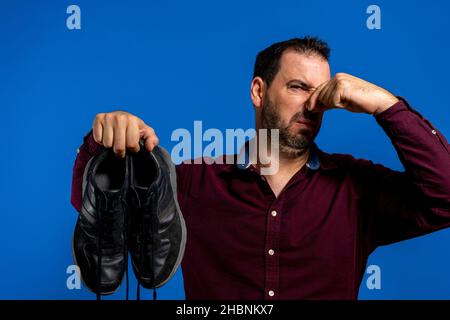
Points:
(150, 138)
(97, 129)
(108, 132)
(120, 131)
(311, 103)
(132, 136)
(326, 98)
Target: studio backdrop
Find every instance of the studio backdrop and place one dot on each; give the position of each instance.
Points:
(175, 62)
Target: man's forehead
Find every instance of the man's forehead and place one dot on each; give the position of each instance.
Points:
(309, 68)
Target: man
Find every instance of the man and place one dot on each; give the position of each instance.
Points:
(306, 231)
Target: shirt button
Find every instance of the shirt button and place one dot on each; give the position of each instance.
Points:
(274, 213)
(271, 293)
(433, 131)
(271, 252)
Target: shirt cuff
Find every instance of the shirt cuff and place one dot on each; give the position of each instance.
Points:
(90, 146)
(400, 105)
(396, 118)
(401, 119)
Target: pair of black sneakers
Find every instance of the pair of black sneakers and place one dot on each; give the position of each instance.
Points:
(129, 205)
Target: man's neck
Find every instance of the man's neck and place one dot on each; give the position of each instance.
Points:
(286, 162)
(288, 166)
(293, 164)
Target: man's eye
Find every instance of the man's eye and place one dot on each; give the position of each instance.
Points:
(296, 86)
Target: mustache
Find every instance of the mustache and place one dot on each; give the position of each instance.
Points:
(305, 116)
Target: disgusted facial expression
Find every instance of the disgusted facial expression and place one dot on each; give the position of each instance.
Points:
(283, 102)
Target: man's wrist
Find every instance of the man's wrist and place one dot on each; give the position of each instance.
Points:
(390, 101)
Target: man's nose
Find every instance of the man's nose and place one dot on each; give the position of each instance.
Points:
(310, 115)
(307, 102)
(304, 109)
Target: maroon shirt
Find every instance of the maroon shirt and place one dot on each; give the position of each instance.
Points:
(313, 241)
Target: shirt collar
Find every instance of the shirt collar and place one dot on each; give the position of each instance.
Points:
(317, 159)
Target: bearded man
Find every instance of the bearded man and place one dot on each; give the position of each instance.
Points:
(306, 231)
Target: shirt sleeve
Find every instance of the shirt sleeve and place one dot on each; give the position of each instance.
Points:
(417, 201)
(86, 151)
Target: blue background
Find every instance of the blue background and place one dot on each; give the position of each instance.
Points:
(175, 62)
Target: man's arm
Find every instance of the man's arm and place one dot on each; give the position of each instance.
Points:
(86, 151)
(417, 201)
(395, 205)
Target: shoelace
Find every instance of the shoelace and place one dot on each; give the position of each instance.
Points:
(109, 218)
(154, 208)
(125, 236)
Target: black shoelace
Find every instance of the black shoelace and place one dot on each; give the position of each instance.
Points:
(109, 230)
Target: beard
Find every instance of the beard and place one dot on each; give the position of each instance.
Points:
(293, 141)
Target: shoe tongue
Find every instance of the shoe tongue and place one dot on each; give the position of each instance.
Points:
(113, 201)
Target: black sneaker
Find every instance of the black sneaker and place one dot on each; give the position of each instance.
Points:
(99, 241)
(157, 231)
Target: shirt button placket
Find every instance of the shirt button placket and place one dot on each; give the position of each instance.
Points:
(272, 268)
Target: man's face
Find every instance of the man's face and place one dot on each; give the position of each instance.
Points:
(283, 106)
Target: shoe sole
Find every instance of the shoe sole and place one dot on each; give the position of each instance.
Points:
(173, 183)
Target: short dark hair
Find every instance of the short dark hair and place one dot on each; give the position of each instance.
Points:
(267, 61)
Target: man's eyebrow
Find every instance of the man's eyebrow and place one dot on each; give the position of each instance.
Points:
(300, 82)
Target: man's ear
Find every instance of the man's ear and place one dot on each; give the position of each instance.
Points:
(257, 91)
